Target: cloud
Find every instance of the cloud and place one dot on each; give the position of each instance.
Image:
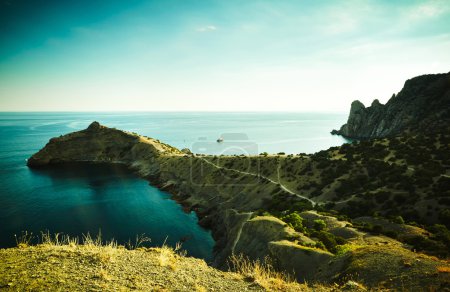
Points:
(207, 28)
(428, 10)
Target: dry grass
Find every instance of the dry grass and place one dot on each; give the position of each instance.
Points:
(168, 256)
(51, 267)
(103, 251)
(263, 274)
(59, 239)
(443, 269)
(199, 288)
(24, 240)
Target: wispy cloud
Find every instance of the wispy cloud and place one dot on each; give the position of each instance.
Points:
(428, 10)
(207, 28)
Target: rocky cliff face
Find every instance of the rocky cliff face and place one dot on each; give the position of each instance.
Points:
(422, 105)
(98, 143)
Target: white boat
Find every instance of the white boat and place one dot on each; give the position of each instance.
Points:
(220, 140)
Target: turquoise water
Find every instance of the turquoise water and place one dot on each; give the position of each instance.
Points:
(88, 198)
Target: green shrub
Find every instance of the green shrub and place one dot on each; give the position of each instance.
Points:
(319, 224)
(444, 217)
(329, 240)
(320, 245)
(295, 221)
(398, 220)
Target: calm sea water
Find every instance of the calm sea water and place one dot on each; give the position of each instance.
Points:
(79, 199)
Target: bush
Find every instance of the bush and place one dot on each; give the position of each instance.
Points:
(444, 217)
(319, 224)
(301, 206)
(377, 229)
(320, 245)
(382, 196)
(441, 233)
(295, 221)
(398, 220)
(329, 240)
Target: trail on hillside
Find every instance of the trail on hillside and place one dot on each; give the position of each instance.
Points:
(283, 187)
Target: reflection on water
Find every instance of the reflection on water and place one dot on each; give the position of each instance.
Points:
(79, 198)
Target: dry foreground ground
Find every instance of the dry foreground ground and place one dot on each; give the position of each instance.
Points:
(92, 267)
(68, 266)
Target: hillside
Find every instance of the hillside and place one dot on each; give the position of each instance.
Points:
(62, 264)
(310, 214)
(422, 105)
(69, 266)
(377, 185)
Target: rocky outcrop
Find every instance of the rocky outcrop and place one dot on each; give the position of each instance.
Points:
(98, 144)
(422, 105)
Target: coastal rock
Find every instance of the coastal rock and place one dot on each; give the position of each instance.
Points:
(422, 105)
(94, 126)
(99, 144)
(186, 151)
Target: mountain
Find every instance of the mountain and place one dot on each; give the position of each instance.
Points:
(422, 105)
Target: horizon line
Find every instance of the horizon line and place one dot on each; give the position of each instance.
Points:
(170, 111)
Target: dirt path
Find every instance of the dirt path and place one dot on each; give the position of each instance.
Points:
(283, 187)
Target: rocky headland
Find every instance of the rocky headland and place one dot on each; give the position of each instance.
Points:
(423, 104)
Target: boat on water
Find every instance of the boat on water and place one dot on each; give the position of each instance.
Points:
(220, 140)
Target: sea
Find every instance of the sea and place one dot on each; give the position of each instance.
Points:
(109, 199)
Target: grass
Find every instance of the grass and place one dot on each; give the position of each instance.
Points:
(89, 263)
(443, 269)
(59, 239)
(24, 239)
(346, 248)
(262, 273)
(102, 250)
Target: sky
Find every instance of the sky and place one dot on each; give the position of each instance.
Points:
(206, 55)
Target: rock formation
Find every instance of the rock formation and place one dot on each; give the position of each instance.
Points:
(422, 105)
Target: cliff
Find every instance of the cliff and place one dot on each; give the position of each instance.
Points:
(98, 143)
(422, 105)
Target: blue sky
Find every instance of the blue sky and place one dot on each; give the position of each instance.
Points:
(215, 55)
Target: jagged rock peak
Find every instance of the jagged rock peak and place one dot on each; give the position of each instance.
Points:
(94, 126)
(422, 105)
(376, 103)
(357, 105)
